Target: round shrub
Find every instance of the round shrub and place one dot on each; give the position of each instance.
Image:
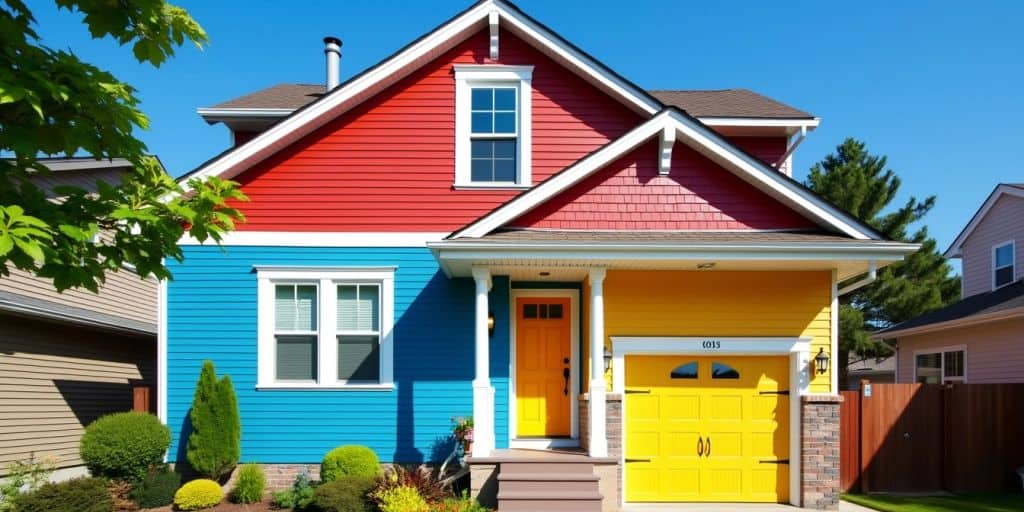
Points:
(77, 495)
(157, 489)
(198, 494)
(403, 499)
(349, 460)
(124, 445)
(250, 484)
(346, 494)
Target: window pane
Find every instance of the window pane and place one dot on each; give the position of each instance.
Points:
(295, 307)
(504, 122)
(1004, 255)
(953, 364)
(555, 311)
(929, 367)
(482, 149)
(369, 305)
(504, 170)
(284, 307)
(296, 358)
(723, 371)
(505, 149)
(358, 358)
(685, 371)
(482, 170)
(504, 99)
(529, 311)
(1004, 276)
(482, 122)
(358, 307)
(347, 311)
(483, 99)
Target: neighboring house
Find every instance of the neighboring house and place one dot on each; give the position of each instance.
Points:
(879, 370)
(981, 338)
(68, 358)
(483, 224)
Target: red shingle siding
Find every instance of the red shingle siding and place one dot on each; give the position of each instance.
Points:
(766, 149)
(388, 165)
(629, 194)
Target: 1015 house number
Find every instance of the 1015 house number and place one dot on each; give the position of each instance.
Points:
(711, 344)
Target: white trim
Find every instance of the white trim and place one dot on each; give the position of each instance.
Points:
(1012, 265)
(400, 65)
(492, 20)
(668, 141)
(808, 124)
(214, 114)
(798, 350)
(598, 403)
(326, 279)
(469, 76)
(993, 197)
(324, 239)
(483, 393)
(574, 364)
(161, 352)
(942, 361)
(696, 135)
(834, 332)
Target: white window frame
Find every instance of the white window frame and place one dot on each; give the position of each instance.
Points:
(1013, 262)
(327, 279)
(470, 76)
(942, 362)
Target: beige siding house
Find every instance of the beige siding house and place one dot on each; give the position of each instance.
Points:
(68, 358)
(981, 338)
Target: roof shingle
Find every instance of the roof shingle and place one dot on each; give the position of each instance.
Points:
(1008, 297)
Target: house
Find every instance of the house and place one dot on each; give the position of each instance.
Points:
(68, 358)
(978, 339)
(624, 288)
(880, 369)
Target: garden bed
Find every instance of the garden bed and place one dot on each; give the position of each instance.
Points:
(224, 507)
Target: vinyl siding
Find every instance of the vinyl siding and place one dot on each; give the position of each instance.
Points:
(766, 149)
(1004, 222)
(697, 194)
(56, 378)
(995, 351)
(389, 164)
(669, 303)
(212, 308)
(123, 295)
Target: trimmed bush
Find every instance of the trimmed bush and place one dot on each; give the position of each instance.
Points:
(198, 494)
(78, 495)
(349, 460)
(250, 484)
(346, 494)
(421, 478)
(402, 499)
(157, 489)
(214, 445)
(124, 445)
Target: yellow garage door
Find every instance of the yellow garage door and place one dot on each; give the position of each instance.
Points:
(707, 429)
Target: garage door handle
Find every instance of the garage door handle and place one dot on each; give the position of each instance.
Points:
(708, 453)
(700, 446)
(781, 461)
(638, 391)
(638, 460)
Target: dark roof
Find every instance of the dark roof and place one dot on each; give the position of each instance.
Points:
(528, 235)
(1006, 298)
(718, 103)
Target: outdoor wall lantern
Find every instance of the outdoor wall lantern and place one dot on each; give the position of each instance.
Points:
(821, 361)
(490, 323)
(607, 359)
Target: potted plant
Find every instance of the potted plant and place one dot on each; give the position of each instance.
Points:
(463, 432)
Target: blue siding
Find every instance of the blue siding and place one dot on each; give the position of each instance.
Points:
(212, 315)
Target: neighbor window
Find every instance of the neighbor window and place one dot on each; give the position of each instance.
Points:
(492, 126)
(1002, 265)
(327, 328)
(939, 367)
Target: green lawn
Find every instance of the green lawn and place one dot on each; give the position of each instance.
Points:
(989, 502)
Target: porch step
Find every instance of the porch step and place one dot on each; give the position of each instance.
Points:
(548, 482)
(515, 484)
(550, 500)
(547, 468)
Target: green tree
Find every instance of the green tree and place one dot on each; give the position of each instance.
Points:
(53, 103)
(859, 182)
(214, 446)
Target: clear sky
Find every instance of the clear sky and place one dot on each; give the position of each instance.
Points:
(936, 86)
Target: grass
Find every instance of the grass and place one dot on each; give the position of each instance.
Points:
(987, 502)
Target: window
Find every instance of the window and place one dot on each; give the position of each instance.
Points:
(492, 126)
(723, 371)
(939, 367)
(1002, 265)
(685, 371)
(325, 328)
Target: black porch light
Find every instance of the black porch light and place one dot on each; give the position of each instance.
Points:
(607, 359)
(821, 361)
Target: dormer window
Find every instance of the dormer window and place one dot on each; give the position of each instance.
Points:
(1002, 265)
(492, 126)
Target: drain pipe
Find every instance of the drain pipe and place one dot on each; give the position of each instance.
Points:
(872, 275)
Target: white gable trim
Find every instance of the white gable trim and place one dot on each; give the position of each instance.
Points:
(701, 138)
(1000, 191)
(403, 63)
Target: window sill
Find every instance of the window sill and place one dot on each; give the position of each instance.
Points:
(334, 387)
(489, 186)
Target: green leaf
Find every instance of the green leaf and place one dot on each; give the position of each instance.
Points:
(30, 248)
(6, 244)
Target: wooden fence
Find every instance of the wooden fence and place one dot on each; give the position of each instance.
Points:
(930, 437)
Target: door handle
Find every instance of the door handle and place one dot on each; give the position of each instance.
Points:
(708, 452)
(700, 446)
(565, 375)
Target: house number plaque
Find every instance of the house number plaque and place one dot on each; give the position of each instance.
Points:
(711, 344)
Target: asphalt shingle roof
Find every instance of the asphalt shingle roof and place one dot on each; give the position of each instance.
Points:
(1008, 297)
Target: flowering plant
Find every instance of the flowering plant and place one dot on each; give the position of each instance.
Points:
(463, 429)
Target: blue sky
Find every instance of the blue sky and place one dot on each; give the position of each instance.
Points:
(936, 86)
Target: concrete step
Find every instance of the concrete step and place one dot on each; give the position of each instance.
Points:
(541, 482)
(550, 500)
(548, 467)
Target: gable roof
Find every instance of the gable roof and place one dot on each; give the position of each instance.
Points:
(1011, 189)
(997, 304)
(701, 138)
(282, 99)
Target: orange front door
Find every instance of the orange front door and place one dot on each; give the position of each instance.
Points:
(542, 367)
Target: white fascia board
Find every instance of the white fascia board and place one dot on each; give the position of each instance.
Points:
(957, 245)
(758, 122)
(322, 239)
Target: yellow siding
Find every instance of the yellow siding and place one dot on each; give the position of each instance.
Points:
(683, 303)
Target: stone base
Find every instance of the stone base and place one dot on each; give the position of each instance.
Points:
(483, 484)
(819, 452)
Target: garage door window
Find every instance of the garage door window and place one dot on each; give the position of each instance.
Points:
(685, 371)
(723, 371)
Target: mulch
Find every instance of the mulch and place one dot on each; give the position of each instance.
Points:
(226, 506)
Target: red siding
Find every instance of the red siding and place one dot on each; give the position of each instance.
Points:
(766, 149)
(388, 165)
(629, 194)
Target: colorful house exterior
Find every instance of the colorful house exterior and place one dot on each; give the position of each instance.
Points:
(624, 288)
(977, 339)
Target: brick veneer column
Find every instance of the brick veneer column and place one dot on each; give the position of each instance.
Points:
(819, 452)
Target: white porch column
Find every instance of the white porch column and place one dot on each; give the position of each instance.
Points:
(598, 434)
(483, 393)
